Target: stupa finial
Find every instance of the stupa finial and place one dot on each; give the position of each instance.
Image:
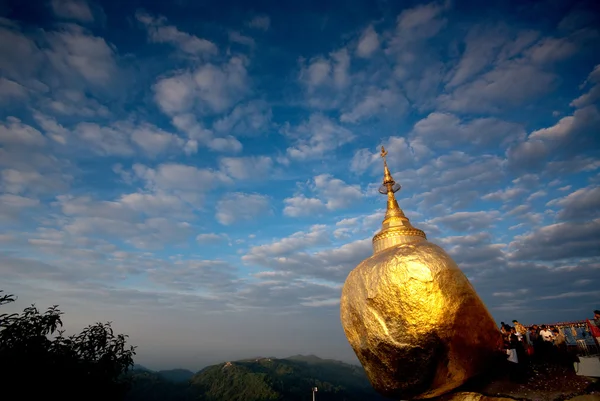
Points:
(395, 228)
(389, 185)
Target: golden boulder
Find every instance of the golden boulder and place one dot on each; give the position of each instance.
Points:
(412, 317)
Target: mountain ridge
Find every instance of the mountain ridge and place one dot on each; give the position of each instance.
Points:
(257, 379)
(139, 367)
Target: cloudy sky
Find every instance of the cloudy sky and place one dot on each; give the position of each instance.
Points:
(204, 174)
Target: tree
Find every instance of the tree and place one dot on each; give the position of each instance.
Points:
(38, 362)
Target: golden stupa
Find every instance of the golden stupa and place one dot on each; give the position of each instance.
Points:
(412, 317)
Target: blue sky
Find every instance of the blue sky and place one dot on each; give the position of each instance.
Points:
(204, 174)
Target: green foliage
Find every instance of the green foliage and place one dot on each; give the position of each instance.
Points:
(88, 365)
(239, 382)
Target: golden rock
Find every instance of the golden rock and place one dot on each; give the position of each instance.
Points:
(412, 317)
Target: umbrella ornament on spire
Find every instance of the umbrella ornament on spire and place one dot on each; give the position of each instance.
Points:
(396, 227)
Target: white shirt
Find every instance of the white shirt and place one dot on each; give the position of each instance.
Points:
(512, 355)
(546, 335)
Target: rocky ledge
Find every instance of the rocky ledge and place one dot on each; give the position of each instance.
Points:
(541, 382)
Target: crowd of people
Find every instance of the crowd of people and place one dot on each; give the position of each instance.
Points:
(545, 344)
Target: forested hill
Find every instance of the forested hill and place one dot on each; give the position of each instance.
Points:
(258, 379)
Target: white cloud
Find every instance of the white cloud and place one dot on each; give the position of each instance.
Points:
(316, 137)
(160, 32)
(558, 241)
(15, 133)
(439, 130)
(331, 194)
(417, 23)
(54, 130)
(580, 204)
(511, 83)
(12, 205)
(249, 167)
(336, 193)
(220, 87)
(252, 118)
(214, 275)
(237, 37)
(10, 90)
(123, 138)
(20, 57)
(332, 71)
(175, 94)
(416, 65)
(593, 95)
(105, 140)
(16, 182)
(300, 205)
(520, 69)
(549, 50)
(225, 144)
(288, 255)
(570, 134)
(51, 65)
(27, 163)
(211, 238)
(316, 73)
(317, 236)
(72, 9)
(188, 124)
(402, 152)
(505, 195)
(475, 252)
(482, 44)
(179, 176)
(376, 101)
(262, 22)
(74, 50)
(368, 43)
(152, 233)
(558, 131)
(153, 204)
(74, 102)
(536, 194)
(208, 89)
(367, 224)
(467, 221)
(239, 206)
(188, 183)
(146, 220)
(154, 140)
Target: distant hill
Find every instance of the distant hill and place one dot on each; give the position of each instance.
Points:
(141, 368)
(176, 375)
(258, 379)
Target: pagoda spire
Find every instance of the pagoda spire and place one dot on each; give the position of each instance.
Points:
(395, 228)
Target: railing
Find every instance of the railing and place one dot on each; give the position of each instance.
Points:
(583, 339)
